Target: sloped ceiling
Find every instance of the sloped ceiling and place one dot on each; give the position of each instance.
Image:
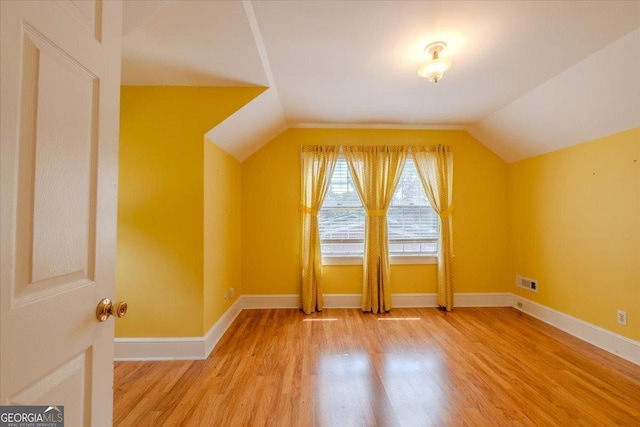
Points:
(527, 77)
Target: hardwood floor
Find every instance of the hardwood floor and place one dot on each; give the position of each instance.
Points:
(409, 367)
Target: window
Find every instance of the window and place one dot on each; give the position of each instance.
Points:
(412, 223)
(341, 219)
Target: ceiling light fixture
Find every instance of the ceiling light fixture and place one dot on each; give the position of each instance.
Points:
(434, 69)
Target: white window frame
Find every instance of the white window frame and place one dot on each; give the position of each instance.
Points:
(354, 259)
(393, 259)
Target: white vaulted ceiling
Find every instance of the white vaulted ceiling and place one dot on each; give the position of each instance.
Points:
(527, 77)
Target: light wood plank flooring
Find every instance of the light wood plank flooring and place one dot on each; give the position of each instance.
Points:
(409, 367)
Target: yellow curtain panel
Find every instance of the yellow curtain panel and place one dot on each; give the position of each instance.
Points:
(435, 168)
(318, 163)
(376, 172)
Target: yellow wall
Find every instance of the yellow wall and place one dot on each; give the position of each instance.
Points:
(160, 261)
(270, 215)
(222, 178)
(575, 227)
(194, 222)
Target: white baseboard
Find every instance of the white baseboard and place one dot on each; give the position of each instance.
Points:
(177, 348)
(412, 300)
(423, 300)
(336, 301)
(613, 343)
(199, 348)
(342, 301)
(272, 301)
(220, 327)
(397, 300)
(504, 299)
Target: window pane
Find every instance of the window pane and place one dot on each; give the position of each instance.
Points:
(412, 224)
(342, 192)
(341, 218)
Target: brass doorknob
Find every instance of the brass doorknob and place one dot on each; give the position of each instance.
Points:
(106, 309)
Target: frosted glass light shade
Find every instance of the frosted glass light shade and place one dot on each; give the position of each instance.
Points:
(434, 69)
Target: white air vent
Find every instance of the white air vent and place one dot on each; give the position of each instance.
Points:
(526, 283)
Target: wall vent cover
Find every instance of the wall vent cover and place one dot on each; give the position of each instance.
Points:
(526, 283)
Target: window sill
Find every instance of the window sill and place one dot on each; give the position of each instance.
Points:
(395, 260)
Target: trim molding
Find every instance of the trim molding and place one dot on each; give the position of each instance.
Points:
(504, 299)
(398, 300)
(623, 347)
(199, 348)
(220, 327)
(271, 301)
(377, 126)
(177, 348)
(342, 300)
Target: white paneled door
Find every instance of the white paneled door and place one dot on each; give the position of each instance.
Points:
(60, 75)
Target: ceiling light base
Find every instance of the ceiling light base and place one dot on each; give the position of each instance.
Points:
(435, 47)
